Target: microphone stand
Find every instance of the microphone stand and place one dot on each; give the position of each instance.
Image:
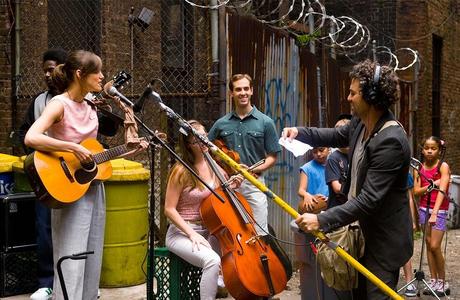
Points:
(419, 275)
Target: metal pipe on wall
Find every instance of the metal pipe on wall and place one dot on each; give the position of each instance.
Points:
(222, 31)
(214, 32)
(320, 107)
(413, 106)
(311, 29)
(17, 67)
(214, 73)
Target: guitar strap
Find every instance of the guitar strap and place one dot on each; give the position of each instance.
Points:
(105, 109)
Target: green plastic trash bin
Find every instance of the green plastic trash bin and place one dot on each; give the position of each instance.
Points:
(126, 230)
(21, 182)
(6, 173)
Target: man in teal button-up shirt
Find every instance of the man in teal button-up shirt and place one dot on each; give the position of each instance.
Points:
(253, 135)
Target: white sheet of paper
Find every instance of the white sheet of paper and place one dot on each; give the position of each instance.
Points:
(296, 147)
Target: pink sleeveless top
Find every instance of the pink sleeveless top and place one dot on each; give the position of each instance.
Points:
(432, 174)
(189, 203)
(78, 123)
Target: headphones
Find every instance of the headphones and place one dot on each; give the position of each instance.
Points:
(375, 86)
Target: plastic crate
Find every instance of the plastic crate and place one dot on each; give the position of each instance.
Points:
(175, 278)
(18, 272)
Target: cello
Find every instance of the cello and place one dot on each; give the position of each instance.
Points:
(231, 153)
(250, 267)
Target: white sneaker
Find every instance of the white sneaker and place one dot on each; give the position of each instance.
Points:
(98, 293)
(433, 285)
(411, 291)
(443, 288)
(42, 294)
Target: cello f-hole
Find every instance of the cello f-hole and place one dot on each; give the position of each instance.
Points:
(238, 239)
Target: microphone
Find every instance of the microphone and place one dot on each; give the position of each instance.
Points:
(415, 163)
(184, 126)
(112, 91)
(163, 107)
(140, 102)
(157, 98)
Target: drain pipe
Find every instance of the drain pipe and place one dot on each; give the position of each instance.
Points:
(214, 75)
(219, 55)
(17, 69)
(413, 109)
(214, 33)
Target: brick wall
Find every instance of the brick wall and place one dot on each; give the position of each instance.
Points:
(416, 24)
(378, 16)
(412, 24)
(117, 40)
(5, 78)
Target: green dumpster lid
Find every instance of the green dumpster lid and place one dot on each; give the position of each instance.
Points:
(126, 170)
(6, 162)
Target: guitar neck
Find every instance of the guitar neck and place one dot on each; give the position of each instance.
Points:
(110, 154)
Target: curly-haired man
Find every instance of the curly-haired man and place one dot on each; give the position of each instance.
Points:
(376, 183)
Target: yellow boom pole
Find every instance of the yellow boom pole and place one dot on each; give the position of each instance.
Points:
(320, 235)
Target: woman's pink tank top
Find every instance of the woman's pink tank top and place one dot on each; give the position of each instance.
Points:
(78, 123)
(189, 203)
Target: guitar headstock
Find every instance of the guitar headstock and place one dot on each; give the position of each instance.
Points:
(120, 79)
(117, 81)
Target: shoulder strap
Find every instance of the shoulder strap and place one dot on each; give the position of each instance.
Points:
(390, 123)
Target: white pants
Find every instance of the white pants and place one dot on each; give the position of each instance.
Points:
(205, 258)
(77, 228)
(258, 202)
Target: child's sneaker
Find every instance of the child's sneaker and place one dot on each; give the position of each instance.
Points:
(411, 290)
(433, 285)
(442, 288)
(42, 294)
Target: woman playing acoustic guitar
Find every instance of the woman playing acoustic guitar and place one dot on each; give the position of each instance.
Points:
(68, 120)
(186, 236)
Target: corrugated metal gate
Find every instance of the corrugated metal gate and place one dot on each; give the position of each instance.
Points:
(294, 88)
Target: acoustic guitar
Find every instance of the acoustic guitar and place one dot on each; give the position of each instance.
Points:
(59, 178)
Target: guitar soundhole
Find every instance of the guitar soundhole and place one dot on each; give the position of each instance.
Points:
(88, 166)
(84, 176)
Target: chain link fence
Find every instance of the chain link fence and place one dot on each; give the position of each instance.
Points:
(160, 43)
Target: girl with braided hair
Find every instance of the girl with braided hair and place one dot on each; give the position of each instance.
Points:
(432, 185)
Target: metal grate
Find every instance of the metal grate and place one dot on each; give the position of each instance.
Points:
(175, 278)
(18, 273)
